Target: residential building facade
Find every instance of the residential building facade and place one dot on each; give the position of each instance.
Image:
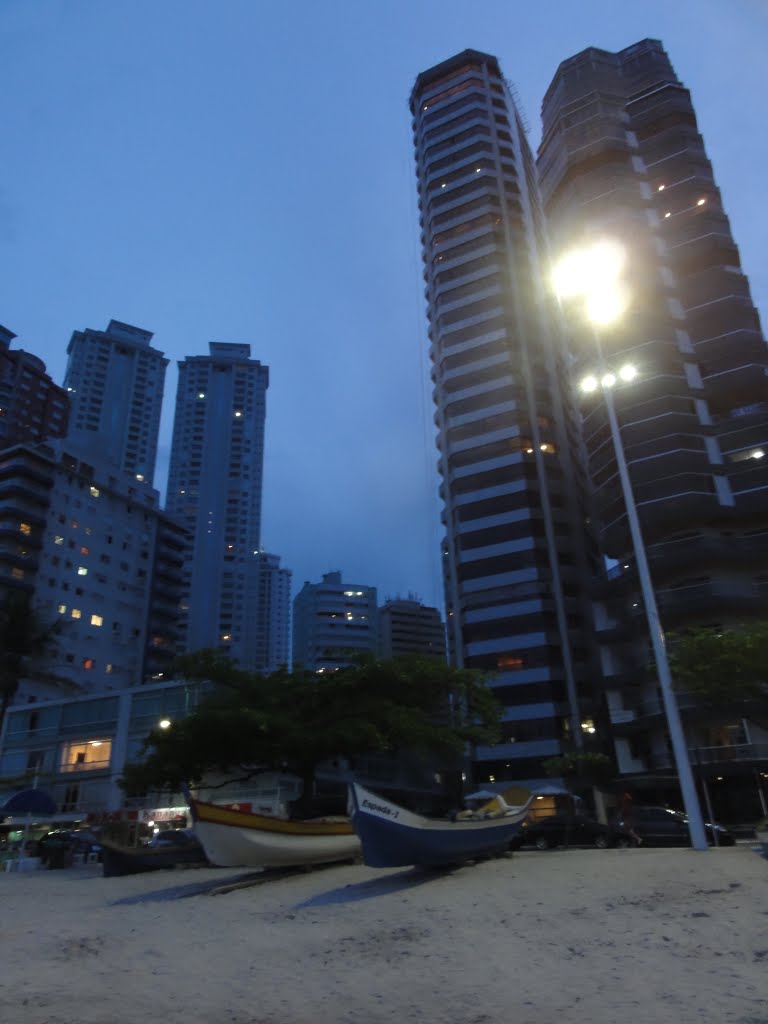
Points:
(76, 749)
(273, 623)
(32, 407)
(115, 382)
(406, 626)
(333, 622)
(516, 550)
(90, 548)
(622, 157)
(214, 491)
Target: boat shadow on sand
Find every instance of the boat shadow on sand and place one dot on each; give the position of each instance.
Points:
(178, 892)
(353, 892)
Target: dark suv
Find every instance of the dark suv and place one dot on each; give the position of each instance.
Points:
(572, 830)
(660, 826)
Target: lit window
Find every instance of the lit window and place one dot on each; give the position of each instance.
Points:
(84, 755)
(108, 669)
(94, 492)
(76, 613)
(61, 609)
(140, 477)
(82, 571)
(18, 574)
(73, 524)
(96, 620)
(201, 394)
(58, 540)
(83, 551)
(88, 663)
(25, 528)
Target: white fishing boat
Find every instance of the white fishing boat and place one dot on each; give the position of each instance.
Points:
(239, 838)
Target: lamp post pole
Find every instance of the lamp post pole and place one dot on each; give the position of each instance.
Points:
(676, 734)
(593, 275)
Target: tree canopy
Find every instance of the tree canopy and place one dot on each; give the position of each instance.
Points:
(22, 636)
(293, 721)
(722, 664)
(592, 768)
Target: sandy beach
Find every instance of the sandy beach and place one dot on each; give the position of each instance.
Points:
(536, 938)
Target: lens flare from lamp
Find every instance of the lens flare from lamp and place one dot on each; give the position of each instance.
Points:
(606, 305)
(608, 380)
(589, 384)
(628, 372)
(582, 271)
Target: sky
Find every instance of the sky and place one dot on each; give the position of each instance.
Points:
(241, 170)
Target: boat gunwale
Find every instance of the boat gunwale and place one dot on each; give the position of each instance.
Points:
(213, 814)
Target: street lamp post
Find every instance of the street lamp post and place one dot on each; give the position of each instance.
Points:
(593, 276)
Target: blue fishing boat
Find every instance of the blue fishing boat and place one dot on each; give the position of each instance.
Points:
(392, 836)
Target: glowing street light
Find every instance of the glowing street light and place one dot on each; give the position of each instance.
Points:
(594, 276)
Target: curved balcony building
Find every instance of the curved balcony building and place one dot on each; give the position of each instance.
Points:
(516, 554)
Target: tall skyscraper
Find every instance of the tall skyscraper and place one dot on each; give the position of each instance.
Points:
(516, 551)
(333, 622)
(621, 156)
(32, 407)
(214, 490)
(115, 382)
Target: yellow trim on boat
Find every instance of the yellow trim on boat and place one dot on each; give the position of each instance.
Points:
(212, 814)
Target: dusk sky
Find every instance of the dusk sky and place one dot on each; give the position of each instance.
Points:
(238, 170)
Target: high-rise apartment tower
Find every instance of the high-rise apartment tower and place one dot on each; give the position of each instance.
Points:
(32, 407)
(516, 553)
(214, 490)
(115, 382)
(621, 157)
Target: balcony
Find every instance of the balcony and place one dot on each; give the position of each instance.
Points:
(754, 753)
(679, 603)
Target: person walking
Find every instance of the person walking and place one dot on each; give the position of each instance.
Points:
(627, 818)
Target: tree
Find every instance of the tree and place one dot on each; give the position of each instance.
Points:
(591, 769)
(722, 664)
(22, 636)
(294, 721)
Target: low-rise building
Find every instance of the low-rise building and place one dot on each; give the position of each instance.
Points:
(333, 622)
(406, 626)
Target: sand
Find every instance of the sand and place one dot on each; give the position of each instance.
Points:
(554, 937)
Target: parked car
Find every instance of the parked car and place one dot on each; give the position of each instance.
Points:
(572, 830)
(70, 841)
(660, 826)
(175, 837)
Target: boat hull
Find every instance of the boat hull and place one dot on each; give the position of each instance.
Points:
(123, 860)
(392, 836)
(233, 838)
